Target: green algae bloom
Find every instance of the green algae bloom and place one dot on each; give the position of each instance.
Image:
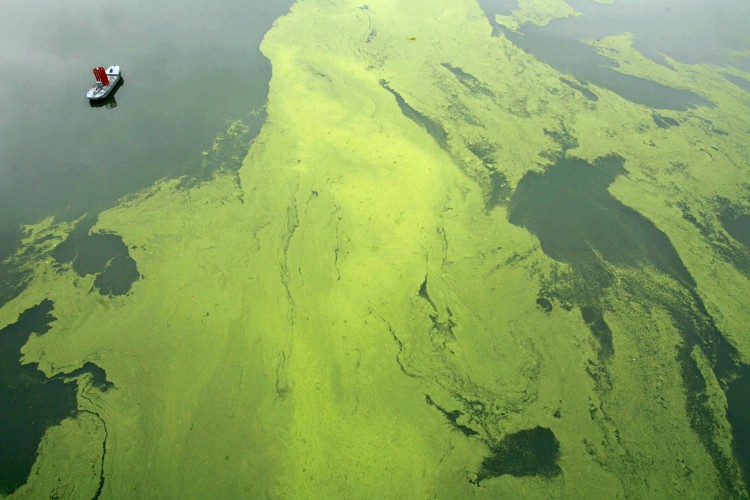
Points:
(445, 268)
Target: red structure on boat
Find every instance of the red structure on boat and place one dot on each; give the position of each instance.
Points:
(101, 75)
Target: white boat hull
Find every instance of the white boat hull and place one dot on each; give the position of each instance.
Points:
(99, 92)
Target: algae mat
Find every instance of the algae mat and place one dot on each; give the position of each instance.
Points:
(444, 269)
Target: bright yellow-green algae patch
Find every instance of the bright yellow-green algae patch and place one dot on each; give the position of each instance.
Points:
(277, 344)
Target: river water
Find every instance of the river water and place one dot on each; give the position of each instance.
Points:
(187, 68)
(476, 245)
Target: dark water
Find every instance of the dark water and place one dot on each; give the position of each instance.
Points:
(188, 67)
(29, 401)
(530, 452)
(573, 57)
(594, 320)
(742, 83)
(580, 222)
(738, 226)
(101, 254)
(738, 414)
(432, 127)
(452, 416)
(690, 32)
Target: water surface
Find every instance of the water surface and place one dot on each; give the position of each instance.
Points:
(454, 263)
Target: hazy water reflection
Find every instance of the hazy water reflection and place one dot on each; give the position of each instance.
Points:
(189, 67)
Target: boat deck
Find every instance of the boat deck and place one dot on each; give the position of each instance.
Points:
(96, 94)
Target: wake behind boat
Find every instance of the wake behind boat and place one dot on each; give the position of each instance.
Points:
(106, 81)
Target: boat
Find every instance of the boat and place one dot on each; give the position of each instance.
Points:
(106, 81)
